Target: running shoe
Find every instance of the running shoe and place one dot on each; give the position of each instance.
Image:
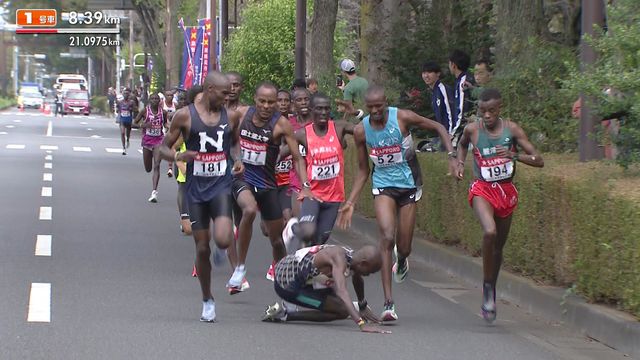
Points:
(287, 233)
(219, 256)
(238, 275)
(124, 151)
(154, 196)
(208, 311)
(236, 290)
(194, 272)
(488, 308)
(275, 313)
(389, 313)
(170, 173)
(271, 273)
(400, 273)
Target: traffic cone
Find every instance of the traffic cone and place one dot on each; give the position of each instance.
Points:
(46, 109)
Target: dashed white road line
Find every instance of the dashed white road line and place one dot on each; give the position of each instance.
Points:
(47, 177)
(39, 303)
(16, 146)
(89, 129)
(9, 126)
(45, 213)
(83, 123)
(17, 121)
(48, 157)
(95, 136)
(50, 128)
(3, 133)
(48, 151)
(48, 147)
(82, 149)
(43, 245)
(113, 150)
(48, 165)
(46, 191)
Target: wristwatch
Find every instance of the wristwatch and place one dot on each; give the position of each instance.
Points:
(452, 154)
(306, 185)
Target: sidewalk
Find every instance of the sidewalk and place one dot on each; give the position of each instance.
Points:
(614, 328)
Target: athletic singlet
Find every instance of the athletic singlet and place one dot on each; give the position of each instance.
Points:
(259, 151)
(125, 108)
(486, 165)
(294, 182)
(297, 270)
(325, 164)
(393, 156)
(182, 177)
(284, 166)
(169, 109)
(156, 121)
(209, 174)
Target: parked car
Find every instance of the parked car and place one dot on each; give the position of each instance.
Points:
(30, 99)
(76, 102)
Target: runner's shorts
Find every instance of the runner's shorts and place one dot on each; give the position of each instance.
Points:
(267, 199)
(402, 196)
(503, 197)
(307, 296)
(284, 196)
(201, 213)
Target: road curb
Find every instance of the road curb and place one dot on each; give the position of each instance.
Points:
(614, 328)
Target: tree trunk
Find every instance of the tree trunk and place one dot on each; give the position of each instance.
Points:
(320, 37)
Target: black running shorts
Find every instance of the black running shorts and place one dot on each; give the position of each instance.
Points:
(201, 214)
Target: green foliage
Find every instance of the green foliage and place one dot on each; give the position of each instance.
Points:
(263, 47)
(100, 104)
(7, 102)
(567, 230)
(531, 87)
(618, 68)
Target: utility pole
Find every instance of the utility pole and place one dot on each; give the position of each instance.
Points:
(169, 45)
(16, 53)
(211, 14)
(224, 18)
(592, 14)
(131, 82)
(118, 56)
(301, 35)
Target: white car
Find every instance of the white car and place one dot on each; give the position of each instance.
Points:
(32, 99)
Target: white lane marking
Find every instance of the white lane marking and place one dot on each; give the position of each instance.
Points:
(10, 126)
(48, 147)
(95, 136)
(140, 151)
(91, 117)
(49, 157)
(83, 123)
(39, 303)
(46, 191)
(15, 146)
(50, 128)
(82, 149)
(22, 114)
(48, 165)
(17, 121)
(47, 177)
(45, 213)
(89, 129)
(77, 117)
(43, 245)
(113, 150)
(48, 151)
(3, 133)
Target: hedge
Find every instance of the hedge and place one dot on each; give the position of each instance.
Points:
(100, 104)
(7, 102)
(577, 225)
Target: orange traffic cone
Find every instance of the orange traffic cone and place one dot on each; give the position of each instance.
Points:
(21, 108)
(47, 109)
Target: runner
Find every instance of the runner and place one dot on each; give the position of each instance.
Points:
(209, 131)
(155, 120)
(285, 164)
(125, 116)
(169, 107)
(316, 278)
(237, 86)
(299, 120)
(181, 178)
(396, 181)
(492, 194)
(262, 130)
(324, 141)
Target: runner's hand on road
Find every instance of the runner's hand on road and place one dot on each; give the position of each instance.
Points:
(369, 316)
(374, 329)
(344, 216)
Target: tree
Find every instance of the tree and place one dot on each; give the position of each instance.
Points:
(320, 62)
(263, 47)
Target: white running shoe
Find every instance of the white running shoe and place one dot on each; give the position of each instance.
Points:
(287, 233)
(154, 196)
(208, 311)
(238, 275)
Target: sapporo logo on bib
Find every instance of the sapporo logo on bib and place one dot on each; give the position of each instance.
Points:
(386, 156)
(284, 166)
(496, 169)
(325, 169)
(253, 153)
(210, 164)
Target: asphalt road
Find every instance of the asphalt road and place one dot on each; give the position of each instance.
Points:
(109, 277)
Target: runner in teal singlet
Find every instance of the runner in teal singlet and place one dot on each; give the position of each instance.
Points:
(492, 194)
(396, 181)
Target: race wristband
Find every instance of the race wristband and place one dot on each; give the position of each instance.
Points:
(361, 323)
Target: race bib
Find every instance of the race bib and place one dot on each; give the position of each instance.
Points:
(496, 169)
(210, 164)
(386, 156)
(328, 171)
(253, 153)
(125, 113)
(284, 166)
(154, 132)
(302, 150)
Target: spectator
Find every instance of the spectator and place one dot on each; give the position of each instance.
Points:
(354, 90)
(111, 97)
(441, 94)
(312, 85)
(482, 74)
(459, 62)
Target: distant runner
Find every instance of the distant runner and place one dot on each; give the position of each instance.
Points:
(154, 121)
(125, 110)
